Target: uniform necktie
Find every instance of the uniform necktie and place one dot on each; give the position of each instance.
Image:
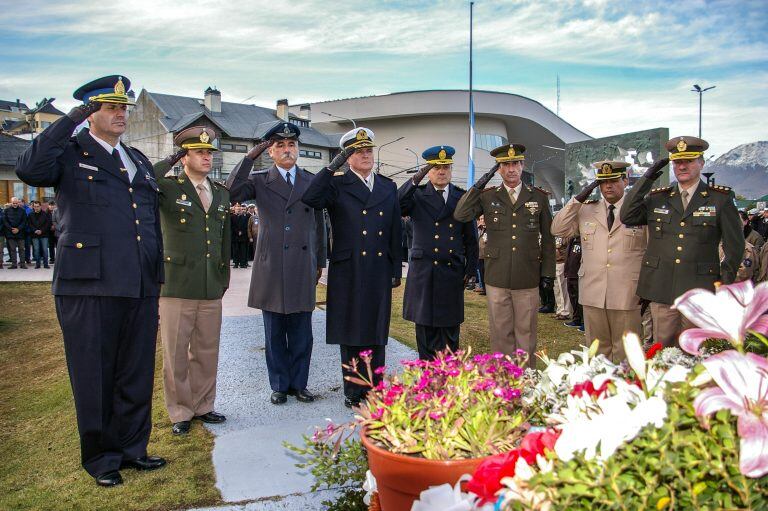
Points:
(513, 196)
(442, 194)
(611, 216)
(288, 179)
(684, 196)
(201, 191)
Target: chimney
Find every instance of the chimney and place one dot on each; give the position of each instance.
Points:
(305, 112)
(212, 100)
(282, 109)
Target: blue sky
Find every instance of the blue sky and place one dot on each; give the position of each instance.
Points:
(623, 65)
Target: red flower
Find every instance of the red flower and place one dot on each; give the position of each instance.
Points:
(589, 388)
(486, 480)
(537, 443)
(655, 348)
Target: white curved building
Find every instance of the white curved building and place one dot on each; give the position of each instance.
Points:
(434, 117)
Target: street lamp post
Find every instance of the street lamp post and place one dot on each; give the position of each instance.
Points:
(378, 153)
(697, 89)
(416, 155)
(354, 124)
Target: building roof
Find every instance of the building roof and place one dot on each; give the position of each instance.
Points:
(47, 108)
(11, 148)
(235, 120)
(6, 105)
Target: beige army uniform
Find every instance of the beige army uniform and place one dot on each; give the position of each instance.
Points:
(750, 267)
(610, 266)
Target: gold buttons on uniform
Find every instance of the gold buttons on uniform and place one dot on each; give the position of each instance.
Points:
(381, 232)
(183, 220)
(365, 232)
(137, 222)
(90, 178)
(365, 212)
(610, 250)
(364, 252)
(514, 248)
(436, 249)
(450, 225)
(167, 258)
(208, 256)
(658, 219)
(608, 265)
(514, 237)
(682, 224)
(679, 249)
(206, 215)
(681, 235)
(437, 223)
(514, 214)
(658, 228)
(451, 238)
(379, 254)
(135, 206)
(381, 213)
(514, 226)
(138, 238)
(437, 236)
(79, 245)
(207, 229)
(450, 251)
(130, 190)
(677, 261)
(208, 241)
(182, 210)
(435, 263)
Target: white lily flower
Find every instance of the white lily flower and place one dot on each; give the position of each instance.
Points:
(635, 355)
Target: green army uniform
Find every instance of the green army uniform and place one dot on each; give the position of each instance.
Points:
(196, 251)
(519, 252)
(683, 243)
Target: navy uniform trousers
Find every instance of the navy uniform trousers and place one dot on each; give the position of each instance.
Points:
(289, 349)
(110, 358)
(432, 339)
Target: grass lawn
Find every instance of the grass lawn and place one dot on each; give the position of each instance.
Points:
(553, 337)
(40, 468)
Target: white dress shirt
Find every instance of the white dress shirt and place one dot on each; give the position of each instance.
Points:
(127, 161)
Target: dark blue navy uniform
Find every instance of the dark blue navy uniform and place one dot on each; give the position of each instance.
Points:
(444, 252)
(106, 284)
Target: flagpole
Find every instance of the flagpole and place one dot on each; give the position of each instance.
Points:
(471, 163)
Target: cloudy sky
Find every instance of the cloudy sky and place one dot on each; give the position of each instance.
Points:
(623, 65)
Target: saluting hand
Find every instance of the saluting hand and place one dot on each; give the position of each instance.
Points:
(175, 157)
(82, 112)
(340, 159)
(587, 191)
(654, 171)
(423, 171)
(485, 178)
(259, 148)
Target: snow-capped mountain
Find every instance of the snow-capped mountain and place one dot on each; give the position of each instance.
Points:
(744, 168)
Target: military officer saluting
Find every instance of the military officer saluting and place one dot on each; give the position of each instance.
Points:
(289, 258)
(365, 257)
(611, 257)
(107, 276)
(194, 213)
(686, 223)
(443, 256)
(519, 253)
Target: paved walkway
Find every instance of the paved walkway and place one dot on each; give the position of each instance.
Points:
(253, 469)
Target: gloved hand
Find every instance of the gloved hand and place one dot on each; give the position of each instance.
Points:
(175, 157)
(587, 191)
(547, 283)
(82, 112)
(259, 148)
(396, 282)
(423, 171)
(485, 178)
(340, 159)
(654, 171)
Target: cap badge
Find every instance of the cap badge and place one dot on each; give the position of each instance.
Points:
(362, 135)
(511, 151)
(681, 145)
(441, 155)
(607, 168)
(286, 130)
(204, 138)
(120, 86)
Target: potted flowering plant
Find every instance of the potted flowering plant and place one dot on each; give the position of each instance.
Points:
(436, 420)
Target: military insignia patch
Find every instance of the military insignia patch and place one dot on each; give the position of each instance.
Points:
(532, 206)
(607, 168)
(511, 151)
(441, 155)
(120, 86)
(204, 138)
(183, 202)
(362, 135)
(681, 145)
(183, 196)
(286, 130)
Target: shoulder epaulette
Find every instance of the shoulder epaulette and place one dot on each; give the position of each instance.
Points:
(542, 190)
(257, 172)
(591, 201)
(662, 189)
(492, 189)
(220, 184)
(722, 189)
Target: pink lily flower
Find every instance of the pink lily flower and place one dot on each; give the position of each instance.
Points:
(728, 313)
(742, 381)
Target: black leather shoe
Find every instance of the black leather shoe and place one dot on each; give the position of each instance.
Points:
(181, 428)
(144, 463)
(351, 403)
(304, 395)
(211, 418)
(546, 310)
(112, 478)
(278, 398)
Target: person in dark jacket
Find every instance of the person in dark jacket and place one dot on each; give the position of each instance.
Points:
(15, 224)
(53, 234)
(571, 272)
(443, 255)
(365, 256)
(39, 227)
(107, 278)
(240, 237)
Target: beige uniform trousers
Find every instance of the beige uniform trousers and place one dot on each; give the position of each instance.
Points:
(512, 317)
(562, 299)
(609, 326)
(190, 331)
(668, 324)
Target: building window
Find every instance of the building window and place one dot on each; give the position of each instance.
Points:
(300, 122)
(237, 148)
(489, 142)
(310, 154)
(18, 189)
(45, 124)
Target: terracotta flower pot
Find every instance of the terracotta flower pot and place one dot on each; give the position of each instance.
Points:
(401, 478)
